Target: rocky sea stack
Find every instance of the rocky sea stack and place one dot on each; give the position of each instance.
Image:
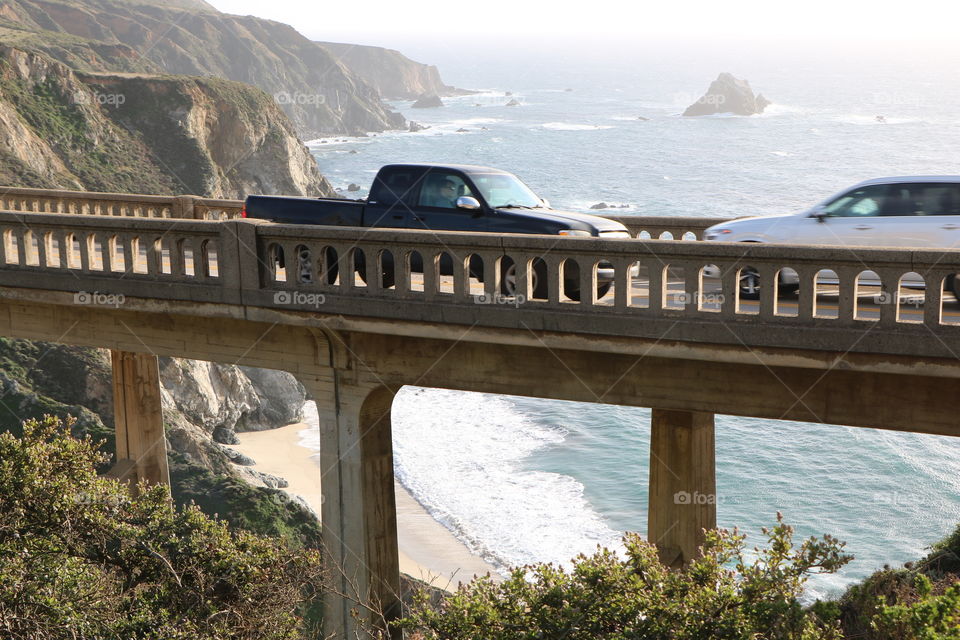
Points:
(427, 101)
(728, 94)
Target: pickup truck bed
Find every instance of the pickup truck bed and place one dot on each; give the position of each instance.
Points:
(338, 212)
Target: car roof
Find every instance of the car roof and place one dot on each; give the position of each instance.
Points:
(465, 168)
(902, 179)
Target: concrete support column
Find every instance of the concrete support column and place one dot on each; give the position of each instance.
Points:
(138, 417)
(683, 485)
(359, 508)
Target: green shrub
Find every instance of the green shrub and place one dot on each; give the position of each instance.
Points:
(721, 595)
(81, 558)
(932, 617)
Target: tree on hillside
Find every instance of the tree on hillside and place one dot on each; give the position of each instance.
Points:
(81, 558)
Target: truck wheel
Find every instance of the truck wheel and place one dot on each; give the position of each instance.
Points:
(572, 289)
(386, 270)
(387, 277)
(508, 278)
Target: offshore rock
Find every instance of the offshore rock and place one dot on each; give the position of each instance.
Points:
(427, 101)
(728, 94)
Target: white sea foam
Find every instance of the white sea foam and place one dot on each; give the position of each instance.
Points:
(461, 455)
(860, 119)
(570, 126)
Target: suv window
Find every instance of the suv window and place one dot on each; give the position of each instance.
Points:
(393, 186)
(866, 201)
(935, 199)
(442, 190)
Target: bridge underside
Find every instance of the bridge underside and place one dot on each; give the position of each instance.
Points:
(354, 367)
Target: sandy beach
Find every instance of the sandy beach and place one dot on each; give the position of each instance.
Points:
(428, 551)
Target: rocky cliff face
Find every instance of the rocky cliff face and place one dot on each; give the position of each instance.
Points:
(155, 134)
(319, 94)
(144, 134)
(393, 74)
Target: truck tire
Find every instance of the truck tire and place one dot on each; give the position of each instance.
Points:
(572, 289)
(508, 278)
(387, 275)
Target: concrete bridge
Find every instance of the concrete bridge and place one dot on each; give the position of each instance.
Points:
(153, 276)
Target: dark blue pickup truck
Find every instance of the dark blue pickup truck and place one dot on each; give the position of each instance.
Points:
(450, 198)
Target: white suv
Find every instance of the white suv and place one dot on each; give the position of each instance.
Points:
(910, 211)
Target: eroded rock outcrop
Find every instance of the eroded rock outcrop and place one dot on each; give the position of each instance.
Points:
(144, 134)
(320, 95)
(728, 94)
(427, 101)
(393, 74)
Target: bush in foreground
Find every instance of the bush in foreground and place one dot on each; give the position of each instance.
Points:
(721, 595)
(80, 558)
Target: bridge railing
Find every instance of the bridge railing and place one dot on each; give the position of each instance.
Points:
(863, 299)
(666, 227)
(117, 204)
(193, 207)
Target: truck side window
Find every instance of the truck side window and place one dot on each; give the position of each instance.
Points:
(393, 187)
(442, 190)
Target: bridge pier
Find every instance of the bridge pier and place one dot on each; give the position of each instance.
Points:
(138, 419)
(359, 509)
(683, 485)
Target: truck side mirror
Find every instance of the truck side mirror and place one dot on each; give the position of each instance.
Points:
(469, 203)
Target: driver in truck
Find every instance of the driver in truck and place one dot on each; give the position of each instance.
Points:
(442, 194)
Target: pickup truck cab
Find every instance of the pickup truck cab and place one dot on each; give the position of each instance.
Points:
(450, 198)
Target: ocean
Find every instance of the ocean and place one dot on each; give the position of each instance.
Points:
(522, 480)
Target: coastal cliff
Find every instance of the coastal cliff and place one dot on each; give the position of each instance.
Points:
(161, 134)
(319, 94)
(393, 74)
(144, 134)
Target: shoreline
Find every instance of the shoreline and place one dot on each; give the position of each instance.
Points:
(428, 550)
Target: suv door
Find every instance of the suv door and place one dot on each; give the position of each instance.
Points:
(851, 219)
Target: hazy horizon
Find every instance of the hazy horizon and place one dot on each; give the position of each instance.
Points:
(878, 25)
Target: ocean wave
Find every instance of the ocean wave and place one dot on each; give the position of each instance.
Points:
(859, 119)
(460, 455)
(570, 126)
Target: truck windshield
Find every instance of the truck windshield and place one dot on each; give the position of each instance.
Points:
(505, 190)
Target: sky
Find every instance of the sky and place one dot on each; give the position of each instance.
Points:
(393, 23)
